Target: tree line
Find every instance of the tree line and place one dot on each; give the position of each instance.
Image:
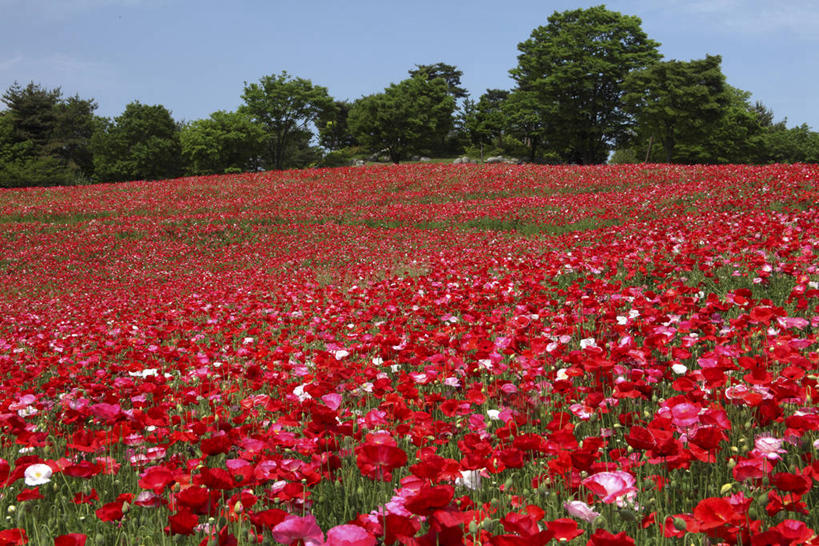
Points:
(589, 87)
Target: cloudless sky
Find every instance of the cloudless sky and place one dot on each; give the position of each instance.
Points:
(193, 56)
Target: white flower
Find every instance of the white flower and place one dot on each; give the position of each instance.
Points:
(37, 474)
(678, 368)
(301, 394)
(588, 342)
(471, 479)
(493, 414)
(341, 353)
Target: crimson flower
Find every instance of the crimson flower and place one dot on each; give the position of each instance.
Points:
(13, 537)
(428, 499)
(564, 529)
(182, 523)
(715, 512)
(156, 478)
(601, 537)
(71, 539)
(111, 511)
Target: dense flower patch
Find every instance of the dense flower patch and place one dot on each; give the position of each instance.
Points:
(418, 355)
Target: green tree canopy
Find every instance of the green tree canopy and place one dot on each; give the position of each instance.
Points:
(284, 107)
(406, 118)
(528, 120)
(575, 66)
(677, 103)
(334, 131)
(45, 138)
(142, 143)
(224, 142)
(447, 72)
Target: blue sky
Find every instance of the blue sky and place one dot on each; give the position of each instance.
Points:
(194, 56)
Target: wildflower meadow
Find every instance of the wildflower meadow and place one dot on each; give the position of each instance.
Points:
(418, 355)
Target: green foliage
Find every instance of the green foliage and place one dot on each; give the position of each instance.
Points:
(284, 107)
(336, 158)
(224, 142)
(447, 72)
(142, 143)
(574, 68)
(334, 131)
(677, 103)
(447, 137)
(796, 145)
(528, 120)
(44, 139)
(485, 122)
(408, 117)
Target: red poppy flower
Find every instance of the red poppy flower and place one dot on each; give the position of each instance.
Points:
(83, 498)
(428, 499)
(156, 478)
(29, 494)
(791, 483)
(182, 523)
(715, 512)
(82, 469)
(111, 511)
(564, 529)
(71, 539)
(601, 537)
(13, 537)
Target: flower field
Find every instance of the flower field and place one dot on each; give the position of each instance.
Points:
(417, 355)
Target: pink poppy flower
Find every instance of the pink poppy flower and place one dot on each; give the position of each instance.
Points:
(297, 528)
(610, 486)
(349, 535)
(580, 510)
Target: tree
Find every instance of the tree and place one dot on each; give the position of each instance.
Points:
(283, 106)
(406, 118)
(737, 136)
(142, 143)
(528, 120)
(224, 142)
(796, 145)
(334, 131)
(32, 110)
(45, 139)
(677, 102)
(575, 66)
(447, 72)
(71, 138)
(492, 120)
(447, 141)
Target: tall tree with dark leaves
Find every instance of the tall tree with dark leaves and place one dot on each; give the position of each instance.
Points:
(142, 143)
(285, 107)
(404, 119)
(575, 66)
(678, 103)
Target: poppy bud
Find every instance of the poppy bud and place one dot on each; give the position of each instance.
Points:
(600, 522)
(725, 488)
(626, 514)
(680, 524)
(732, 463)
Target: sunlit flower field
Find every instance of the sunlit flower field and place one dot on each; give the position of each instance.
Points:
(416, 355)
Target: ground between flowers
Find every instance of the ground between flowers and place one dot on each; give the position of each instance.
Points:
(424, 354)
